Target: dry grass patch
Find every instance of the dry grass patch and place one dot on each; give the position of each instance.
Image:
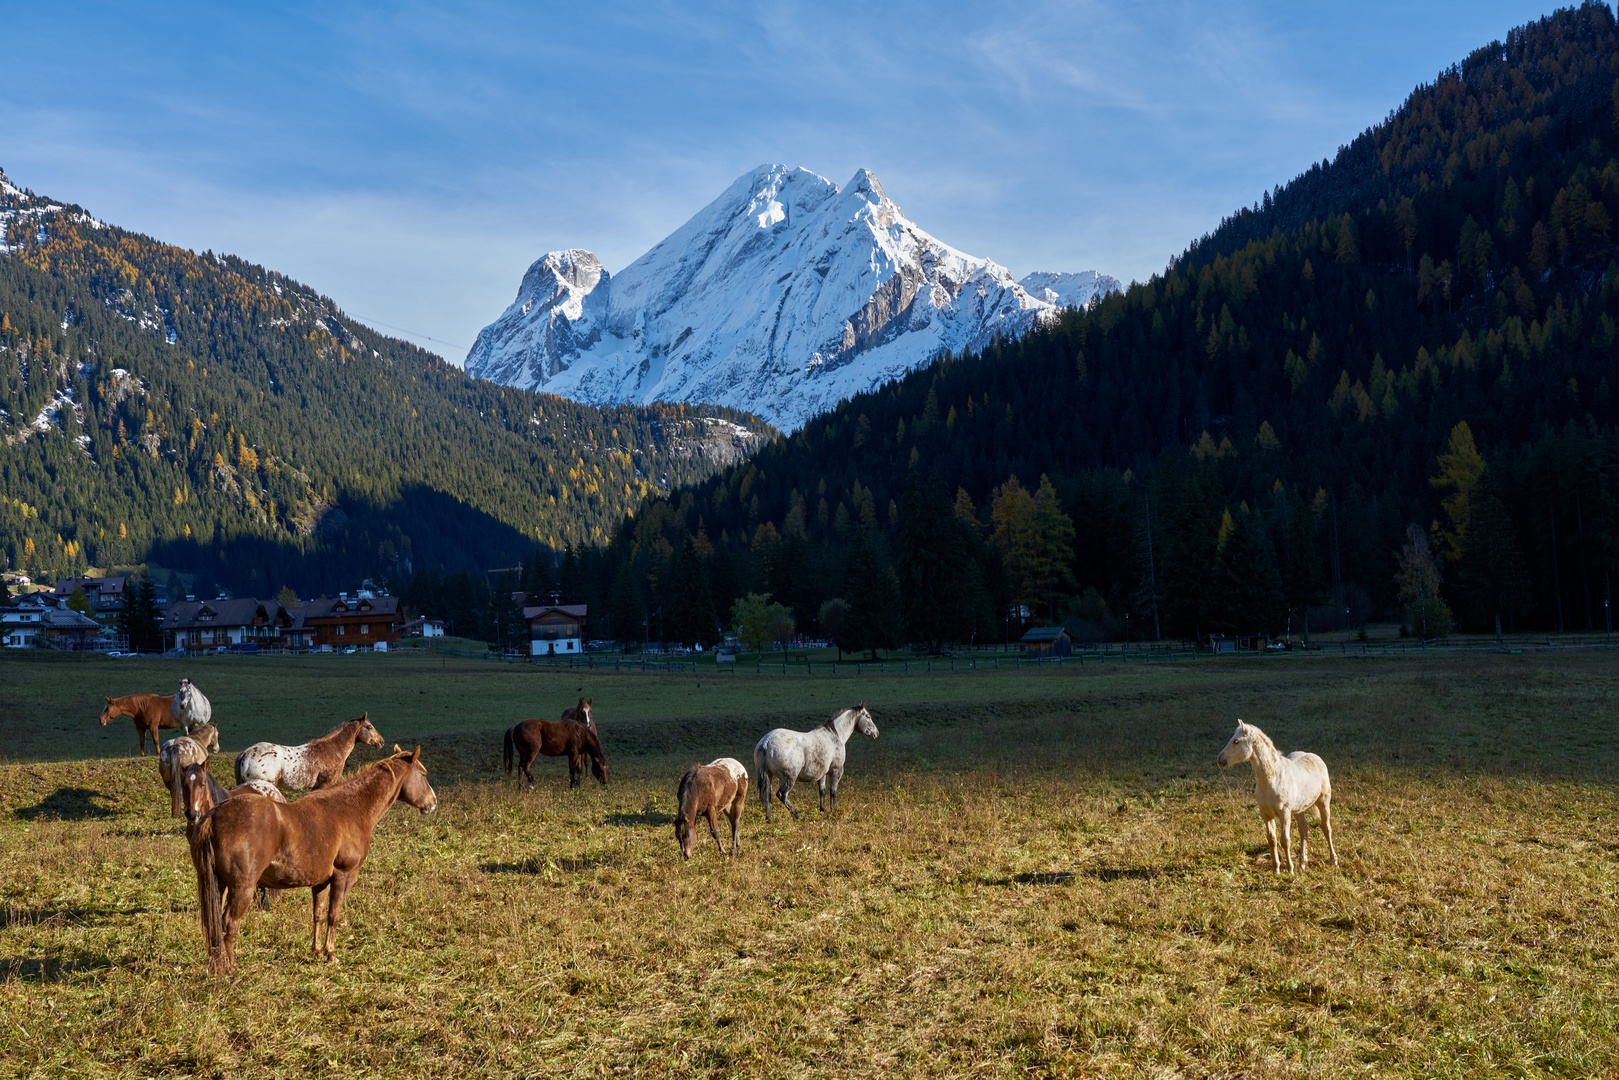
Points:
(1090, 896)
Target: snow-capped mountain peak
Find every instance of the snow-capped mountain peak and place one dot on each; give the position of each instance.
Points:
(782, 296)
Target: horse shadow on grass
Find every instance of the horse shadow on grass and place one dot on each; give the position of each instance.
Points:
(52, 968)
(1057, 877)
(630, 819)
(69, 804)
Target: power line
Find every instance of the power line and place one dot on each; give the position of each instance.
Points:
(402, 330)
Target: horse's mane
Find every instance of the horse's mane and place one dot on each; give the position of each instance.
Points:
(339, 728)
(684, 799)
(1261, 737)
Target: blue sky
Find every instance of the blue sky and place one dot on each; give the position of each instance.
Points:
(411, 160)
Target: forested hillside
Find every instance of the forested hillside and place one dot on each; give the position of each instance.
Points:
(1387, 386)
(219, 418)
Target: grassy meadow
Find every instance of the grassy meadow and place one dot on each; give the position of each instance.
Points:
(1031, 872)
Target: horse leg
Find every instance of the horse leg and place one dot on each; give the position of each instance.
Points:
(736, 825)
(341, 883)
(1324, 804)
(1304, 841)
(820, 788)
(766, 781)
(1286, 821)
(781, 793)
(714, 829)
(1270, 834)
(836, 777)
(315, 893)
(575, 767)
(235, 910)
(527, 759)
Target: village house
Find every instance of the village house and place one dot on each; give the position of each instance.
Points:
(107, 594)
(22, 625)
(363, 621)
(555, 629)
(423, 628)
(211, 624)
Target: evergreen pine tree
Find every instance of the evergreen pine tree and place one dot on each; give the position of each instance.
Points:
(690, 616)
(874, 620)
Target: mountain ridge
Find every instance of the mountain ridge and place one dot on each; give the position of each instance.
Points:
(786, 293)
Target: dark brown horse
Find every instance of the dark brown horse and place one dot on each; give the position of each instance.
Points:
(151, 712)
(720, 787)
(553, 738)
(318, 841)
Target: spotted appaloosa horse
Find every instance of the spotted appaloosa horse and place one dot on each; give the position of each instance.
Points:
(177, 753)
(720, 787)
(784, 757)
(320, 841)
(1285, 788)
(553, 738)
(151, 712)
(316, 764)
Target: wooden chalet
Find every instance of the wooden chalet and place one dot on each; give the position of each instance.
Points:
(1044, 642)
(364, 622)
(211, 624)
(556, 629)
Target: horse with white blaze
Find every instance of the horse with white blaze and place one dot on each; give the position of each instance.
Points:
(784, 757)
(1286, 788)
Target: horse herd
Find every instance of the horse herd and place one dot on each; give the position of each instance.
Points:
(250, 840)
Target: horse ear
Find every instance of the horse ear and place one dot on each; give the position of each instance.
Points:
(397, 750)
(416, 754)
(589, 702)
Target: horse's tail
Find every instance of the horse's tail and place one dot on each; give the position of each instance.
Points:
(176, 784)
(241, 778)
(506, 754)
(209, 904)
(760, 769)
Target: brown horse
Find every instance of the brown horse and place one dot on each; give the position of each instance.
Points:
(553, 738)
(318, 841)
(200, 793)
(580, 713)
(151, 712)
(720, 787)
(177, 753)
(316, 764)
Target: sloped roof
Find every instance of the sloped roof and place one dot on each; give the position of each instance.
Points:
(1045, 633)
(329, 608)
(576, 611)
(240, 611)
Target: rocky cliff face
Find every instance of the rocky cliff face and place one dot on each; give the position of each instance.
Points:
(781, 297)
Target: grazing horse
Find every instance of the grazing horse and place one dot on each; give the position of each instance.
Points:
(1286, 788)
(190, 708)
(553, 738)
(151, 712)
(316, 764)
(783, 757)
(177, 753)
(318, 841)
(580, 713)
(720, 787)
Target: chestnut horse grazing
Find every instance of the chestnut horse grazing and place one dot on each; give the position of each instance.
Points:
(177, 753)
(720, 787)
(553, 738)
(316, 764)
(784, 757)
(190, 708)
(151, 711)
(1286, 788)
(580, 713)
(318, 841)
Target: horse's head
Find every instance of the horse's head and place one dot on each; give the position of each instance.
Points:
(863, 722)
(195, 797)
(367, 734)
(415, 790)
(584, 711)
(598, 766)
(207, 735)
(1241, 746)
(112, 712)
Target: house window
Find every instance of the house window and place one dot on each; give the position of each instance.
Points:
(365, 628)
(341, 629)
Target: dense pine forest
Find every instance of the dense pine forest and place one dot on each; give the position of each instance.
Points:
(1385, 390)
(212, 417)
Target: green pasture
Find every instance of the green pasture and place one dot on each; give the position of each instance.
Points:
(1032, 872)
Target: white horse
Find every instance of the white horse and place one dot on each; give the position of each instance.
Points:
(189, 708)
(782, 758)
(189, 749)
(1286, 788)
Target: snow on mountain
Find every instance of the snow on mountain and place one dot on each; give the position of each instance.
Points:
(782, 297)
(1069, 290)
